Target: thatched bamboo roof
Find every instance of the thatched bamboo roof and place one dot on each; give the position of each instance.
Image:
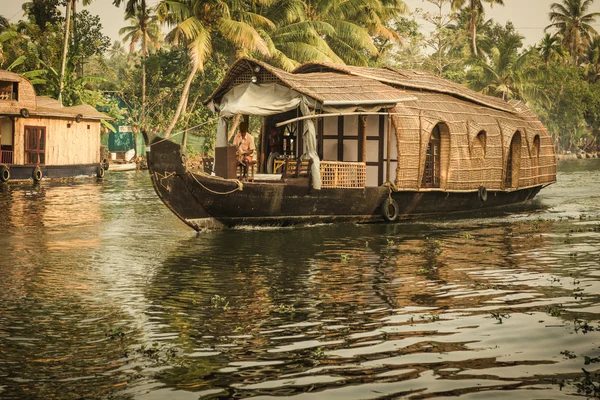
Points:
(323, 87)
(409, 79)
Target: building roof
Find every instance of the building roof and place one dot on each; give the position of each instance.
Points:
(410, 79)
(47, 107)
(327, 82)
(325, 87)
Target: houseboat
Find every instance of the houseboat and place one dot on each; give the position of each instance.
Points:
(39, 138)
(344, 143)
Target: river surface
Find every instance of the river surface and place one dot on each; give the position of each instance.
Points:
(104, 294)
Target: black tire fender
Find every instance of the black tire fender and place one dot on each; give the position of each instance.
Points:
(78, 118)
(37, 174)
(105, 164)
(24, 112)
(482, 193)
(4, 173)
(390, 211)
(100, 171)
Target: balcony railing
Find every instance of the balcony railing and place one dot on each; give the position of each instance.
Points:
(6, 157)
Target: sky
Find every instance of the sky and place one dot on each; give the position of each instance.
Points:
(529, 17)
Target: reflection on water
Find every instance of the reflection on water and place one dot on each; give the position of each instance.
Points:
(105, 294)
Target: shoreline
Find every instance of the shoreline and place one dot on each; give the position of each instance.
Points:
(573, 156)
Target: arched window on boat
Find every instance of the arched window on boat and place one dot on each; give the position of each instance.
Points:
(477, 156)
(535, 159)
(513, 162)
(436, 157)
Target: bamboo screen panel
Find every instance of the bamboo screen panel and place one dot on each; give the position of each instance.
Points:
(348, 175)
(469, 164)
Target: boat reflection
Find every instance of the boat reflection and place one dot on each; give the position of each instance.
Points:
(351, 310)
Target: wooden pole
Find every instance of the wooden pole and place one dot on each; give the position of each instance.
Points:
(389, 149)
(362, 136)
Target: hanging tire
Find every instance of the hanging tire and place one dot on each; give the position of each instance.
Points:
(37, 174)
(24, 113)
(100, 171)
(4, 173)
(482, 193)
(105, 164)
(390, 211)
(78, 118)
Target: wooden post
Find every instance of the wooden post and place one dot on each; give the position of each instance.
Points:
(362, 138)
(340, 152)
(389, 148)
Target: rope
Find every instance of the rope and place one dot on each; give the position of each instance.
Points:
(240, 185)
(185, 130)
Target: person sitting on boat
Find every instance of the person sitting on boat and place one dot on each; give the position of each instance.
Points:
(245, 144)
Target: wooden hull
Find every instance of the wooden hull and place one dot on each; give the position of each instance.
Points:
(194, 198)
(24, 173)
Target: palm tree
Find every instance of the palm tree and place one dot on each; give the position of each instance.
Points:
(476, 10)
(506, 73)
(144, 26)
(574, 25)
(198, 23)
(551, 49)
(71, 4)
(330, 30)
(593, 59)
(134, 34)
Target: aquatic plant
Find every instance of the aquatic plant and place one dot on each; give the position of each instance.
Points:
(499, 316)
(584, 326)
(116, 333)
(568, 354)
(555, 311)
(589, 385)
(219, 302)
(344, 257)
(285, 309)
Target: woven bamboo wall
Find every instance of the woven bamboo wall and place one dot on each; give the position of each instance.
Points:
(470, 163)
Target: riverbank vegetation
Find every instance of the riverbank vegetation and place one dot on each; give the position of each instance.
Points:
(173, 54)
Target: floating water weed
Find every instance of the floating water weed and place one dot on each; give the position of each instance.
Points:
(499, 316)
(390, 242)
(584, 326)
(555, 311)
(344, 257)
(591, 360)
(589, 385)
(317, 353)
(219, 302)
(568, 354)
(285, 309)
(116, 333)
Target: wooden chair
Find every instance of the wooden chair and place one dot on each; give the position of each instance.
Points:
(251, 167)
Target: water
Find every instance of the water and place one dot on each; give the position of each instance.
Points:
(105, 294)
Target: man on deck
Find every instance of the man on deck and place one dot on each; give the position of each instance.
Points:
(245, 145)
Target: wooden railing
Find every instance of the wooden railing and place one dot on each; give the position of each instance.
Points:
(6, 157)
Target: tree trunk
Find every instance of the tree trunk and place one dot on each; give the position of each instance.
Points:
(144, 52)
(473, 28)
(61, 79)
(183, 99)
